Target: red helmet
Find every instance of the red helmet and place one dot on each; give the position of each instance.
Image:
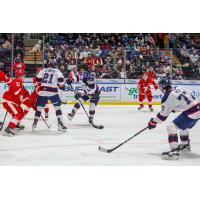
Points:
(38, 69)
(145, 76)
(19, 73)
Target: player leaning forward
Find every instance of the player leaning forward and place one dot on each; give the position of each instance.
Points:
(17, 102)
(51, 80)
(176, 100)
(90, 91)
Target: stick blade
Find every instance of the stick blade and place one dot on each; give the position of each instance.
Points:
(98, 126)
(104, 150)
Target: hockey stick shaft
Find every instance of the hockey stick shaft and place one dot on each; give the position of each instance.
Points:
(45, 121)
(116, 147)
(81, 103)
(4, 120)
(95, 126)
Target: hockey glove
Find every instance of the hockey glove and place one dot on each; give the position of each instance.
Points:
(77, 96)
(69, 82)
(152, 124)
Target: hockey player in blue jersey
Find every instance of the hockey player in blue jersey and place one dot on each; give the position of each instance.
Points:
(90, 91)
(51, 81)
(176, 100)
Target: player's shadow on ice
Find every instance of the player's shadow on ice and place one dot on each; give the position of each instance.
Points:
(77, 126)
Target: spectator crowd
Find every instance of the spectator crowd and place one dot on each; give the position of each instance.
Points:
(111, 55)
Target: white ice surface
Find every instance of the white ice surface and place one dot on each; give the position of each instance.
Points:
(79, 146)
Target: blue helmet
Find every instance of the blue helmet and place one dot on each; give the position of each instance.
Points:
(90, 77)
(164, 82)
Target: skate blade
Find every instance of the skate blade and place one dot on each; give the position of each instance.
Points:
(62, 130)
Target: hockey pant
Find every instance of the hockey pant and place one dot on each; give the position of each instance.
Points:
(16, 112)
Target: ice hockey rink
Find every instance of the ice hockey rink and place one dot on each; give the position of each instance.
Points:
(79, 146)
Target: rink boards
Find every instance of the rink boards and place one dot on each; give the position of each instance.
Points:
(116, 92)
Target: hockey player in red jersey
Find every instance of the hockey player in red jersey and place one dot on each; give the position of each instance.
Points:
(145, 90)
(74, 76)
(4, 78)
(34, 94)
(16, 100)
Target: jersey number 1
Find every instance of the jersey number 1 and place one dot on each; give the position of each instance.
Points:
(47, 78)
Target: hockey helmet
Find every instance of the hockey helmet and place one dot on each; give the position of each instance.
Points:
(90, 79)
(145, 76)
(38, 69)
(164, 82)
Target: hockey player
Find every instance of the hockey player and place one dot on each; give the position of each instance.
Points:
(16, 100)
(176, 100)
(51, 80)
(145, 91)
(4, 78)
(74, 76)
(34, 94)
(90, 91)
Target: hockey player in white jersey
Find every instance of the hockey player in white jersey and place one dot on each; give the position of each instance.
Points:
(176, 100)
(51, 81)
(90, 91)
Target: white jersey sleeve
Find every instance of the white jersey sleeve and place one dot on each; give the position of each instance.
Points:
(89, 90)
(176, 100)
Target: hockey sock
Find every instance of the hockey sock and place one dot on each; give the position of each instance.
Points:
(46, 108)
(58, 113)
(150, 105)
(184, 136)
(38, 112)
(13, 123)
(75, 108)
(173, 141)
(92, 109)
(172, 136)
(141, 104)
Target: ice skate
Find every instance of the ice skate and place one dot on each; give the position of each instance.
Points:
(91, 120)
(1, 124)
(19, 126)
(46, 115)
(151, 109)
(34, 125)
(171, 155)
(184, 147)
(8, 132)
(61, 127)
(140, 107)
(70, 116)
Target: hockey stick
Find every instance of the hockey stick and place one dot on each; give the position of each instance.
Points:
(48, 125)
(116, 147)
(95, 126)
(3, 121)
